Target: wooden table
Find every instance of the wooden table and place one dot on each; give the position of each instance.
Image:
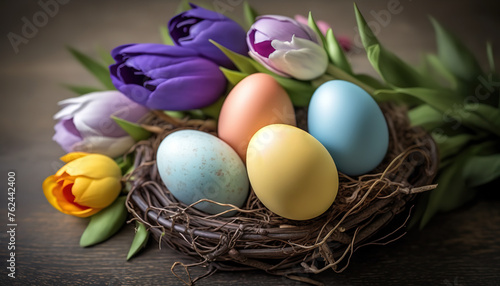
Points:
(458, 248)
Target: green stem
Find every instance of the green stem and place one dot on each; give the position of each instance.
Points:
(340, 74)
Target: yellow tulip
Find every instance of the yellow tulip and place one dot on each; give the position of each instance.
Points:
(85, 185)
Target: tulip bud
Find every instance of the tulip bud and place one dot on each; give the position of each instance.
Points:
(166, 77)
(287, 47)
(85, 123)
(85, 185)
(195, 27)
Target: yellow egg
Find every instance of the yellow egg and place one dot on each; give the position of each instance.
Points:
(291, 173)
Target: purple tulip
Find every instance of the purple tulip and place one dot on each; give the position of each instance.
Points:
(166, 77)
(85, 123)
(287, 47)
(195, 27)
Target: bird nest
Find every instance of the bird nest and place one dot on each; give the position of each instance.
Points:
(256, 238)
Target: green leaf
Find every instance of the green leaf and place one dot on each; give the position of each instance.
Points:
(244, 64)
(480, 170)
(214, 109)
(454, 55)
(312, 25)
(105, 56)
(233, 76)
(424, 115)
(370, 81)
(441, 100)
(97, 69)
(452, 145)
(175, 114)
(336, 53)
(391, 68)
(338, 73)
(105, 223)
(80, 89)
(300, 92)
(165, 36)
(183, 6)
(491, 59)
(395, 71)
(446, 102)
(140, 239)
(438, 66)
(250, 14)
(367, 37)
(133, 129)
(451, 191)
(489, 114)
(125, 163)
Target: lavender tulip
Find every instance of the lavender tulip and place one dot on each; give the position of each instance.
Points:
(287, 47)
(85, 123)
(195, 27)
(166, 77)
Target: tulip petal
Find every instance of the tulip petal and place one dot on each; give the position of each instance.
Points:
(146, 62)
(48, 186)
(72, 156)
(66, 134)
(81, 184)
(108, 146)
(95, 118)
(187, 93)
(65, 200)
(98, 193)
(302, 59)
(84, 213)
(95, 166)
(152, 49)
(267, 63)
(71, 105)
(277, 27)
(194, 67)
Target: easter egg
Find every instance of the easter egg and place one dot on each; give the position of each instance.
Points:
(256, 101)
(196, 165)
(350, 124)
(291, 173)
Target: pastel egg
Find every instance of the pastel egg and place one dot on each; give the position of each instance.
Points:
(291, 173)
(256, 101)
(350, 124)
(196, 165)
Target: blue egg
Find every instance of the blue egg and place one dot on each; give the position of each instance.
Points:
(195, 165)
(349, 123)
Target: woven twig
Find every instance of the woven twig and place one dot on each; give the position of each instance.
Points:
(256, 238)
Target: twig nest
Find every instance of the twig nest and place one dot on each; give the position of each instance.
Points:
(255, 237)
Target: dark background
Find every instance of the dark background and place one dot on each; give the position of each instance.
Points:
(458, 248)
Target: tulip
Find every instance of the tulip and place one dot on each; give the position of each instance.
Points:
(87, 184)
(287, 47)
(323, 26)
(195, 27)
(85, 123)
(166, 77)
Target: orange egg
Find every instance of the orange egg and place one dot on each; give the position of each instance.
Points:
(256, 101)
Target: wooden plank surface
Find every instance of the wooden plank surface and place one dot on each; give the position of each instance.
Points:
(458, 248)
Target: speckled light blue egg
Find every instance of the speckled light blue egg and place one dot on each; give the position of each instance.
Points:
(196, 165)
(350, 124)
